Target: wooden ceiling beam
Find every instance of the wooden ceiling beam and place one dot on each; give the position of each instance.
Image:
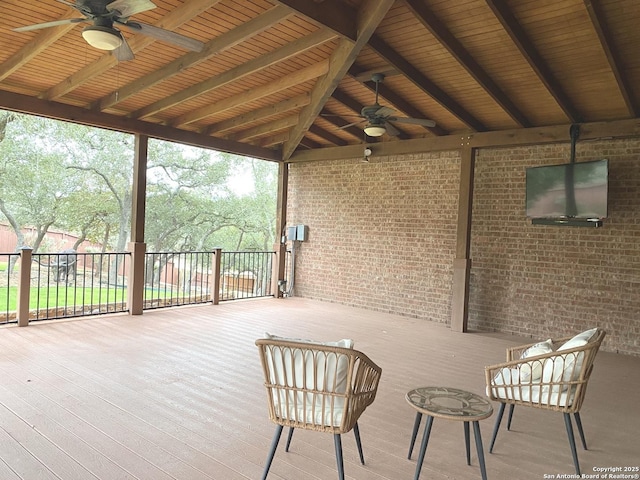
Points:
(34, 106)
(396, 100)
(307, 143)
(272, 140)
(171, 21)
(37, 45)
(295, 78)
(223, 42)
(527, 50)
(265, 128)
(423, 83)
(369, 16)
(263, 113)
(328, 136)
(288, 51)
(606, 41)
(342, 124)
(466, 60)
(503, 138)
(331, 14)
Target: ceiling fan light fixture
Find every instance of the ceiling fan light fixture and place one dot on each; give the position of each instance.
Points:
(374, 130)
(102, 38)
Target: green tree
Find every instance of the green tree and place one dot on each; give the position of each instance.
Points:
(34, 183)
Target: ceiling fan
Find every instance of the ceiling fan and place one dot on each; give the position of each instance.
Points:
(102, 33)
(379, 120)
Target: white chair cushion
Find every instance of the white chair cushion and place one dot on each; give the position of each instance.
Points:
(566, 367)
(506, 384)
(313, 370)
(532, 371)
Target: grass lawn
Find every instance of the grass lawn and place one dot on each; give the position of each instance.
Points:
(61, 295)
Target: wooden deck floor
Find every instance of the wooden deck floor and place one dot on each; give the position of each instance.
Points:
(177, 394)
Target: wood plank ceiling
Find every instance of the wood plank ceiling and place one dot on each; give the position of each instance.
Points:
(276, 78)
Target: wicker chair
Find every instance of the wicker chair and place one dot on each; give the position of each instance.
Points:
(317, 387)
(556, 380)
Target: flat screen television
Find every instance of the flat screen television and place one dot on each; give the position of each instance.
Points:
(568, 191)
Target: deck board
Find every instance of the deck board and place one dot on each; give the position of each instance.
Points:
(177, 394)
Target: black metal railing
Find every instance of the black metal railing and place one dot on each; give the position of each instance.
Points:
(71, 284)
(246, 275)
(8, 287)
(177, 278)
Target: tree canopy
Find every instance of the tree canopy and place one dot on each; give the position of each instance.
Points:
(79, 179)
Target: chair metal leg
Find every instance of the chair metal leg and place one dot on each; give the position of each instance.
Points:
(466, 442)
(414, 434)
(338, 443)
(423, 447)
(289, 437)
(272, 451)
(480, 449)
(580, 431)
(511, 407)
(572, 442)
(497, 426)
(356, 432)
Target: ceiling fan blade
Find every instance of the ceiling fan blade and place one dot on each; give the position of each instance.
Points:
(123, 53)
(340, 115)
(165, 35)
(350, 124)
(391, 130)
(55, 23)
(384, 111)
(415, 121)
(127, 8)
(71, 4)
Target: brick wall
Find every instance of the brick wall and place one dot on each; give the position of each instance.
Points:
(545, 280)
(382, 236)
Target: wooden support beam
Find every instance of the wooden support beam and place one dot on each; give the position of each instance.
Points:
(423, 83)
(25, 104)
(466, 60)
(260, 114)
(290, 50)
(369, 16)
(611, 52)
(519, 37)
(265, 128)
(462, 262)
(281, 223)
(505, 138)
(37, 45)
(329, 137)
(137, 246)
(223, 42)
(344, 125)
(139, 187)
(335, 15)
(276, 139)
(269, 88)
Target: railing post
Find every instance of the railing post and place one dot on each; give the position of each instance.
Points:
(135, 289)
(215, 293)
(24, 286)
(279, 266)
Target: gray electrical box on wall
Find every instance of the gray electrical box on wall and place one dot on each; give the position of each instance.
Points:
(302, 233)
(297, 233)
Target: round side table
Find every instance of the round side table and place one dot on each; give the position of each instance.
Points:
(450, 404)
